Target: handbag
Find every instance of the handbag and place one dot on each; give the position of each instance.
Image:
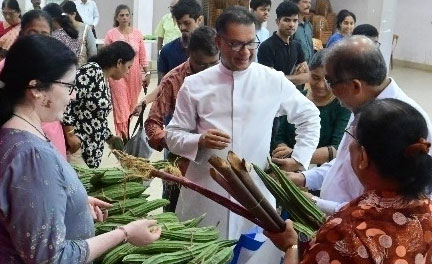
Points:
(137, 142)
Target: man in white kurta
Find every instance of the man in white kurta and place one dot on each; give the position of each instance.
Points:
(336, 179)
(231, 106)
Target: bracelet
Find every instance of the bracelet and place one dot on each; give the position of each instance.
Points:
(330, 152)
(125, 240)
(70, 131)
(292, 247)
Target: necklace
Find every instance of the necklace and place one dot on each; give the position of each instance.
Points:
(37, 129)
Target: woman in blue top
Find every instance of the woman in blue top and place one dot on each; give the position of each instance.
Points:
(45, 213)
(345, 22)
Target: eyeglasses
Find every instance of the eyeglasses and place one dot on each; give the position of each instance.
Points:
(8, 13)
(238, 46)
(71, 86)
(351, 133)
(377, 43)
(331, 83)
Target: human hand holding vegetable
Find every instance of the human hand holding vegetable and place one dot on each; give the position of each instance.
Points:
(214, 139)
(286, 239)
(288, 164)
(98, 209)
(297, 178)
(282, 151)
(142, 232)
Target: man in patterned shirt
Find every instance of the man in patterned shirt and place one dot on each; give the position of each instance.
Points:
(203, 54)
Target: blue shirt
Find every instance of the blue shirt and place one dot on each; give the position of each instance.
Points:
(172, 55)
(44, 214)
(304, 35)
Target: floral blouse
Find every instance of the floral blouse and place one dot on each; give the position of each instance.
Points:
(73, 44)
(376, 228)
(88, 114)
(44, 214)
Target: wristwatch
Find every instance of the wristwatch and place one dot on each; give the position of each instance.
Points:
(315, 199)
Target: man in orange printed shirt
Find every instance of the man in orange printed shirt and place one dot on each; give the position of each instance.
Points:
(203, 53)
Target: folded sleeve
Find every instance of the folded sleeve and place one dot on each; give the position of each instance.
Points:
(315, 177)
(301, 112)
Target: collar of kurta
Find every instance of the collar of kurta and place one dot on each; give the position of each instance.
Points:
(389, 90)
(229, 72)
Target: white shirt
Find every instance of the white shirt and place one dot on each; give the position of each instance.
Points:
(261, 35)
(336, 179)
(88, 12)
(243, 104)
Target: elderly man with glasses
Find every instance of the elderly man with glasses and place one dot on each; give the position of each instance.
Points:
(356, 73)
(231, 107)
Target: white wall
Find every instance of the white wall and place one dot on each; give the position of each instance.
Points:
(414, 27)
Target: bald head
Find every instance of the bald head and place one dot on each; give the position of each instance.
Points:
(356, 57)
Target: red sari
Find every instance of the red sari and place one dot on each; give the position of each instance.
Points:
(8, 35)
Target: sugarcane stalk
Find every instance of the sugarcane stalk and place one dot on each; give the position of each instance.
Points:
(244, 196)
(225, 202)
(217, 177)
(239, 168)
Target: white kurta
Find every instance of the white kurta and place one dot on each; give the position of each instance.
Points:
(243, 104)
(336, 179)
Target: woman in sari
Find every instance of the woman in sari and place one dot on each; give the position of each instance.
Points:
(10, 28)
(391, 222)
(125, 92)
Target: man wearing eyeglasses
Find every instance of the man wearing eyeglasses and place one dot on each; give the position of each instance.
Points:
(356, 73)
(231, 106)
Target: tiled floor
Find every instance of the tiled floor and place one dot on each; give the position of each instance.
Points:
(417, 84)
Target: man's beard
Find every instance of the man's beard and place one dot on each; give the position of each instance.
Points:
(185, 38)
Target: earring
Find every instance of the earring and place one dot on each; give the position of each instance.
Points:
(32, 83)
(46, 103)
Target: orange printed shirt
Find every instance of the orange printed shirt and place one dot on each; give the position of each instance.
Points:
(164, 104)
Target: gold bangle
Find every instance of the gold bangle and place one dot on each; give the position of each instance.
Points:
(125, 240)
(70, 131)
